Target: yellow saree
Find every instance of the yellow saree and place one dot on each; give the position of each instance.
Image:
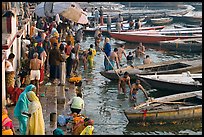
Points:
(36, 125)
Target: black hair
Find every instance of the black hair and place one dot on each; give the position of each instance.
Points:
(11, 56)
(69, 42)
(73, 51)
(126, 73)
(147, 56)
(91, 46)
(115, 49)
(79, 94)
(61, 47)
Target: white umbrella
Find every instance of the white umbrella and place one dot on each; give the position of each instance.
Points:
(69, 10)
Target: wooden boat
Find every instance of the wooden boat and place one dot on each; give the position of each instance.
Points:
(185, 45)
(174, 82)
(161, 21)
(168, 108)
(91, 31)
(166, 67)
(152, 37)
(190, 17)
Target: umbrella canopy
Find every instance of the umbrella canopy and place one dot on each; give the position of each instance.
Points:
(69, 10)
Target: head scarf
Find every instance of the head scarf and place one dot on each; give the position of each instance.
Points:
(58, 131)
(32, 96)
(22, 103)
(56, 34)
(4, 111)
(35, 103)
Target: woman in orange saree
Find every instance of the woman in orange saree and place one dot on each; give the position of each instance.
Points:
(7, 125)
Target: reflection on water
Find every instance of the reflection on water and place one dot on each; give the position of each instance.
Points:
(106, 107)
(178, 128)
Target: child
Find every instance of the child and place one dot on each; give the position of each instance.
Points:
(129, 59)
(88, 130)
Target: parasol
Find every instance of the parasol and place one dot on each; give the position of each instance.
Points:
(69, 10)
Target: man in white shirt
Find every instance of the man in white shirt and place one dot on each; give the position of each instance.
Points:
(76, 103)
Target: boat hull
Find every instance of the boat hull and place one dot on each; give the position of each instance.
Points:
(91, 32)
(183, 47)
(167, 67)
(171, 86)
(167, 108)
(146, 38)
(161, 21)
(170, 115)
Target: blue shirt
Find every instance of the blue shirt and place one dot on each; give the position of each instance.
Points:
(107, 49)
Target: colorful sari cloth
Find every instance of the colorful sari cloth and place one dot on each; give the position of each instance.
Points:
(22, 106)
(7, 124)
(10, 82)
(36, 125)
(90, 58)
(88, 130)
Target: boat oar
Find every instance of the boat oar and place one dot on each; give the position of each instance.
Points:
(110, 63)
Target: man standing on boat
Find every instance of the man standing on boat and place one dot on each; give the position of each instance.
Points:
(120, 20)
(96, 16)
(138, 24)
(109, 23)
(101, 15)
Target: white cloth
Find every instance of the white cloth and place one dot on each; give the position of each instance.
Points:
(35, 74)
(10, 68)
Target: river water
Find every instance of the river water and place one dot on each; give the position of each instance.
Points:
(105, 106)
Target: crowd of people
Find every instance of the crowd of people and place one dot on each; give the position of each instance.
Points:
(53, 48)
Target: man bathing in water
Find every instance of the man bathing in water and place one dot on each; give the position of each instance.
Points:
(122, 83)
(121, 51)
(35, 66)
(134, 90)
(114, 59)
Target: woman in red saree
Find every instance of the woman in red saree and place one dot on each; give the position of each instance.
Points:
(7, 125)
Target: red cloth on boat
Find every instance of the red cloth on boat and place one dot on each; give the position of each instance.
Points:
(144, 114)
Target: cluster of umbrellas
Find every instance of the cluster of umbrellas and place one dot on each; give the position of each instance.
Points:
(69, 10)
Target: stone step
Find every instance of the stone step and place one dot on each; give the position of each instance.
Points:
(49, 105)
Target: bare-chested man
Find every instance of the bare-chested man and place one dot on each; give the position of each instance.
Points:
(114, 59)
(121, 51)
(134, 90)
(76, 60)
(35, 66)
(142, 48)
(147, 60)
(138, 52)
(122, 83)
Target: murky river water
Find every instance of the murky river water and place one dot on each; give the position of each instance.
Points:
(105, 106)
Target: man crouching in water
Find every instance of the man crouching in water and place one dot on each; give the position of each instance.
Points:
(35, 66)
(134, 90)
(122, 83)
